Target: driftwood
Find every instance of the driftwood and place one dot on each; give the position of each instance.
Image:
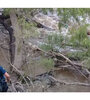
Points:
(69, 62)
(66, 83)
(53, 54)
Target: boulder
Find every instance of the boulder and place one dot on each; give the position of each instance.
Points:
(46, 21)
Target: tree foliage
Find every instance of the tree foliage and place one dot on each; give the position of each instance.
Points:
(63, 13)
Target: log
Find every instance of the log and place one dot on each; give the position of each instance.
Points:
(66, 83)
(69, 62)
(55, 55)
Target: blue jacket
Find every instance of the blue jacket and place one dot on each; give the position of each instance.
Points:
(2, 72)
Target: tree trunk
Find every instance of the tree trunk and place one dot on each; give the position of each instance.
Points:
(18, 39)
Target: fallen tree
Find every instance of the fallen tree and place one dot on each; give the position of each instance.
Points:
(60, 57)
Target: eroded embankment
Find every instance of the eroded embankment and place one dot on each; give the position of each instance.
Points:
(39, 77)
(61, 78)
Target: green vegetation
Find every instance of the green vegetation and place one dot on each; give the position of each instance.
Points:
(86, 63)
(28, 28)
(79, 37)
(43, 63)
(78, 55)
(80, 40)
(24, 24)
(6, 11)
(66, 13)
(46, 47)
(47, 63)
(54, 40)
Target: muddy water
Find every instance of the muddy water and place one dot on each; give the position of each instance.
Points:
(70, 77)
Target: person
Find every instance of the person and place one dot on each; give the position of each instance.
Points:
(4, 78)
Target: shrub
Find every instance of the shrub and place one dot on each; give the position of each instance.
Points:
(78, 55)
(53, 41)
(79, 37)
(86, 63)
(47, 63)
(56, 39)
(46, 47)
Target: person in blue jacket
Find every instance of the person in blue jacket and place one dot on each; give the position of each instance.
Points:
(4, 78)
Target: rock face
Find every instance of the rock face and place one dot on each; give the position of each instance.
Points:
(4, 37)
(46, 21)
(4, 47)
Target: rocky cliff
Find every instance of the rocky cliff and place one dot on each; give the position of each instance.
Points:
(4, 47)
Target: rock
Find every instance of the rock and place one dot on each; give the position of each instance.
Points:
(46, 21)
(1, 10)
(4, 44)
(19, 87)
(4, 37)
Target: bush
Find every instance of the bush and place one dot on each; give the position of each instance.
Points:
(6, 11)
(86, 63)
(79, 37)
(56, 39)
(80, 40)
(46, 47)
(47, 63)
(78, 55)
(53, 41)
